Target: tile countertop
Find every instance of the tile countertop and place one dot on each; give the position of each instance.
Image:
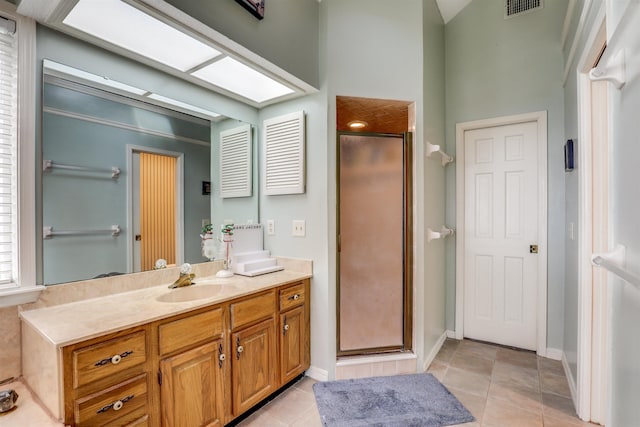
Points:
(73, 322)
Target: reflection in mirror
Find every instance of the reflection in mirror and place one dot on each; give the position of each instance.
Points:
(124, 177)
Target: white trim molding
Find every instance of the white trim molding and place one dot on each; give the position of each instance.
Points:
(576, 39)
(540, 117)
(592, 359)
(554, 354)
(317, 373)
(434, 351)
(25, 290)
(570, 378)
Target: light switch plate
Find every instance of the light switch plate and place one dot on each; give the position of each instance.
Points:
(271, 227)
(298, 228)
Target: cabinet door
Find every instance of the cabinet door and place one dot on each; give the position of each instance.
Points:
(292, 344)
(254, 365)
(192, 389)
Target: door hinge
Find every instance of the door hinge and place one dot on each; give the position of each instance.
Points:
(159, 377)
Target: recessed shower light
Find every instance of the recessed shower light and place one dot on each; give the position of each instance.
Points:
(357, 124)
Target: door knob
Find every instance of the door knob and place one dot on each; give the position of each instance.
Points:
(533, 249)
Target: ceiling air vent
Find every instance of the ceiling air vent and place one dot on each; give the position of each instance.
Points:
(518, 7)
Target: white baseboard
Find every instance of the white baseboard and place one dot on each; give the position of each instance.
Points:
(434, 351)
(572, 381)
(317, 374)
(451, 334)
(554, 353)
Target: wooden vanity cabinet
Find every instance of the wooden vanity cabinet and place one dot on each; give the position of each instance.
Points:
(107, 382)
(202, 368)
(193, 372)
(293, 331)
(253, 351)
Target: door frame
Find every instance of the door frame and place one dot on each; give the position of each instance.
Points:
(540, 118)
(408, 269)
(131, 149)
(593, 372)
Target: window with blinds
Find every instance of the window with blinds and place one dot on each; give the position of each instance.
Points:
(8, 151)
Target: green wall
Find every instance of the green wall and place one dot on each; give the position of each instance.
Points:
(362, 51)
(572, 284)
(497, 67)
(287, 36)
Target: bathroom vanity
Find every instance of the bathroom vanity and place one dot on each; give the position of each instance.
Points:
(198, 355)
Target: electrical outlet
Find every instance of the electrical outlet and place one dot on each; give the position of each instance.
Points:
(271, 227)
(206, 222)
(298, 228)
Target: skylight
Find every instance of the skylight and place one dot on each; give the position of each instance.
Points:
(119, 25)
(125, 26)
(238, 78)
(182, 105)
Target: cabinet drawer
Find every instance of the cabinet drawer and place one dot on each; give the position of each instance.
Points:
(107, 358)
(191, 330)
(292, 296)
(122, 404)
(250, 310)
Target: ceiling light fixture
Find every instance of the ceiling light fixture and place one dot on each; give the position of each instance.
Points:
(162, 36)
(238, 78)
(128, 27)
(357, 124)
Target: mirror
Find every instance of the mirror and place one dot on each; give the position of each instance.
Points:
(128, 177)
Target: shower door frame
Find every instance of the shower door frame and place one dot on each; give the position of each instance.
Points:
(407, 339)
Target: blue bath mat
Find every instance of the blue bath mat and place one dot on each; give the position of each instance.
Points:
(417, 400)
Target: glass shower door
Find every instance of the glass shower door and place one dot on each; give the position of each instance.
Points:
(372, 217)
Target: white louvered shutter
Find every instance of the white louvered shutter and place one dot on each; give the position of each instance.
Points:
(283, 154)
(8, 151)
(235, 162)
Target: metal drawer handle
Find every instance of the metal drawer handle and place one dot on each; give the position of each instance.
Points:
(221, 356)
(114, 360)
(116, 406)
(295, 297)
(239, 348)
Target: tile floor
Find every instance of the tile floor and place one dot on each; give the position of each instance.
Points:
(500, 386)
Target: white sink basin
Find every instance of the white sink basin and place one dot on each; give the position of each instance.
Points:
(194, 292)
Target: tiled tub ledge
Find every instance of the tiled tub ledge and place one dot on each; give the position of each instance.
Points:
(376, 365)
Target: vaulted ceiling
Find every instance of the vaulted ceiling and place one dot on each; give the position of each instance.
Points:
(450, 8)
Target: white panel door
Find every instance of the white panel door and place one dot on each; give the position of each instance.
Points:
(501, 222)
